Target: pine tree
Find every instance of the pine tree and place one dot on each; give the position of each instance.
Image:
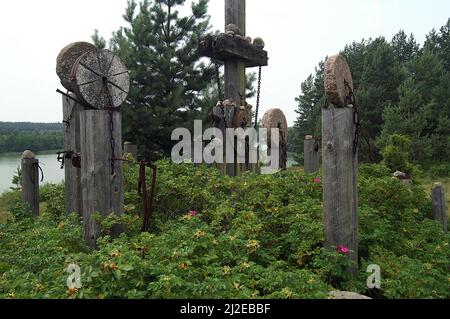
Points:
(159, 46)
(378, 88)
(406, 49)
(439, 43)
(309, 110)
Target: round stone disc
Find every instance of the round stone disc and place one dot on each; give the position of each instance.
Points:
(102, 79)
(67, 58)
(274, 118)
(337, 72)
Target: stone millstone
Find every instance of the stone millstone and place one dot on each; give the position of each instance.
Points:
(28, 155)
(337, 72)
(274, 118)
(346, 295)
(101, 79)
(67, 58)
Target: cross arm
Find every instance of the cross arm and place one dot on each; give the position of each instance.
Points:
(225, 47)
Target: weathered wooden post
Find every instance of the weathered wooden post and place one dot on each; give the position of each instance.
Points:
(101, 83)
(129, 148)
(238, 53)
(30, 181)
(311, 155)
(72, 149)
(439, 209)
(340, 164)
(71, 113)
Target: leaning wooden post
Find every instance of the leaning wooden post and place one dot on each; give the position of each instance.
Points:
(439, 209)
(30, 181)
(72, 148)
(129, 148)
(311, 155)
(340, 163)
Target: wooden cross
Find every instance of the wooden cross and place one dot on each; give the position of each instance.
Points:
(237, 54)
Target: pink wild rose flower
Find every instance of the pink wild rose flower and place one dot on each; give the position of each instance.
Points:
(317, 180)
(342, 249)
(193, 213)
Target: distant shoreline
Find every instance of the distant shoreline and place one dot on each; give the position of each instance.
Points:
(46, 152)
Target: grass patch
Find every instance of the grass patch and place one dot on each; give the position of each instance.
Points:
(5, 201)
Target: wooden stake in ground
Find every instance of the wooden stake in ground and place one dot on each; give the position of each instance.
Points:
(72, 145)
(439, 209)
(275, 119)
(129, 148)
(311, 155)
(30, 181)
(340, 163)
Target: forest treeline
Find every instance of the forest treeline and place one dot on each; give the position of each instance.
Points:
(20, 136)
(402, 88)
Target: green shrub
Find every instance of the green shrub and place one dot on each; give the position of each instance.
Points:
(440, 170)
(216, 237)
(396, 154)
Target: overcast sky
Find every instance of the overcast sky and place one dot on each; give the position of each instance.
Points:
(298, 34)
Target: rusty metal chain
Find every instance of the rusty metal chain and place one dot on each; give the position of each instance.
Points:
(356, 119)
(32, 177)
(220, 92)
(258, 96)
(112, 140)
(219, 85)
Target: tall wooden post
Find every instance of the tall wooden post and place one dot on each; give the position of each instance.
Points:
(439, 209)
(235, 68)
(238, 53)
(102, 184)
(311, 155)
(71, 113)
(30, 181)
(340, 164)
(129, 148)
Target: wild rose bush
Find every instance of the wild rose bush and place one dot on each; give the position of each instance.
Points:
(216, 237)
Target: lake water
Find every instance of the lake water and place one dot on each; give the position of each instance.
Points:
(51, 167)
(47, 160)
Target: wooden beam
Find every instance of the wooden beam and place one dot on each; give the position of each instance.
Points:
(226, 47)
